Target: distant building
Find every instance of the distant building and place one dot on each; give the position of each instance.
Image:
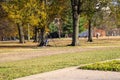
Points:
(95, 33)
(114, 32)
(83, 34)
(101, 32)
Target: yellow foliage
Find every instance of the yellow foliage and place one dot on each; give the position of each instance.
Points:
(28, 11)
(11, 16)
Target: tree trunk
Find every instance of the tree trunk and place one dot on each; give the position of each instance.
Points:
(21, 34)
(2, 38)
(59, 33)
(89, 31)
(28, 32)
(75, 14)
(36, 34)
(42, 37)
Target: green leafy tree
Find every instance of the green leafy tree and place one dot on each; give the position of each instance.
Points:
(52, 28)
(82, 24)
(67, 27)
(57, 13)
(88, 8)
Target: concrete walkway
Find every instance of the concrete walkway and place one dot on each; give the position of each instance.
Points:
(74, 73)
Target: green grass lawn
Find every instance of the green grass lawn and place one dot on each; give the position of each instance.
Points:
(105, 66)
(11, 70)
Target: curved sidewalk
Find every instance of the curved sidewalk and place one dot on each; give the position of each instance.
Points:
(74, 73)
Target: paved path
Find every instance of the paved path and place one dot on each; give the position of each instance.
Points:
(74, 73)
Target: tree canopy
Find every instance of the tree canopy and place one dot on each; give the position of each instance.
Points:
(41, 13)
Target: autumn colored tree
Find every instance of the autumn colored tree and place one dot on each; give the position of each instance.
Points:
(16, 12)
(27, 12)
(37, 17)
(40, 15)
(7, 29)
(2, 11)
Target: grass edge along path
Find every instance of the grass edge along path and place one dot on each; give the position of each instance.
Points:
(113, 65)
(16, 69)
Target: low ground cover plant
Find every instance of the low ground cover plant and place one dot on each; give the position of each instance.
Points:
(105, 66)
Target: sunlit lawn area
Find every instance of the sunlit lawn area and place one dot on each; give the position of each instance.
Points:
(15, 69)
(105, 66)
(107, 41)
(19, 68)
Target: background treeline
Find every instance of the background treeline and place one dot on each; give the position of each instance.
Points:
(39, 19)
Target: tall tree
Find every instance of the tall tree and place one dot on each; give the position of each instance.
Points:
(7, 27)
(38, 18)
(16, 12)
(57, 11)
(31, 12)
(76, 4)
(90, 10)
